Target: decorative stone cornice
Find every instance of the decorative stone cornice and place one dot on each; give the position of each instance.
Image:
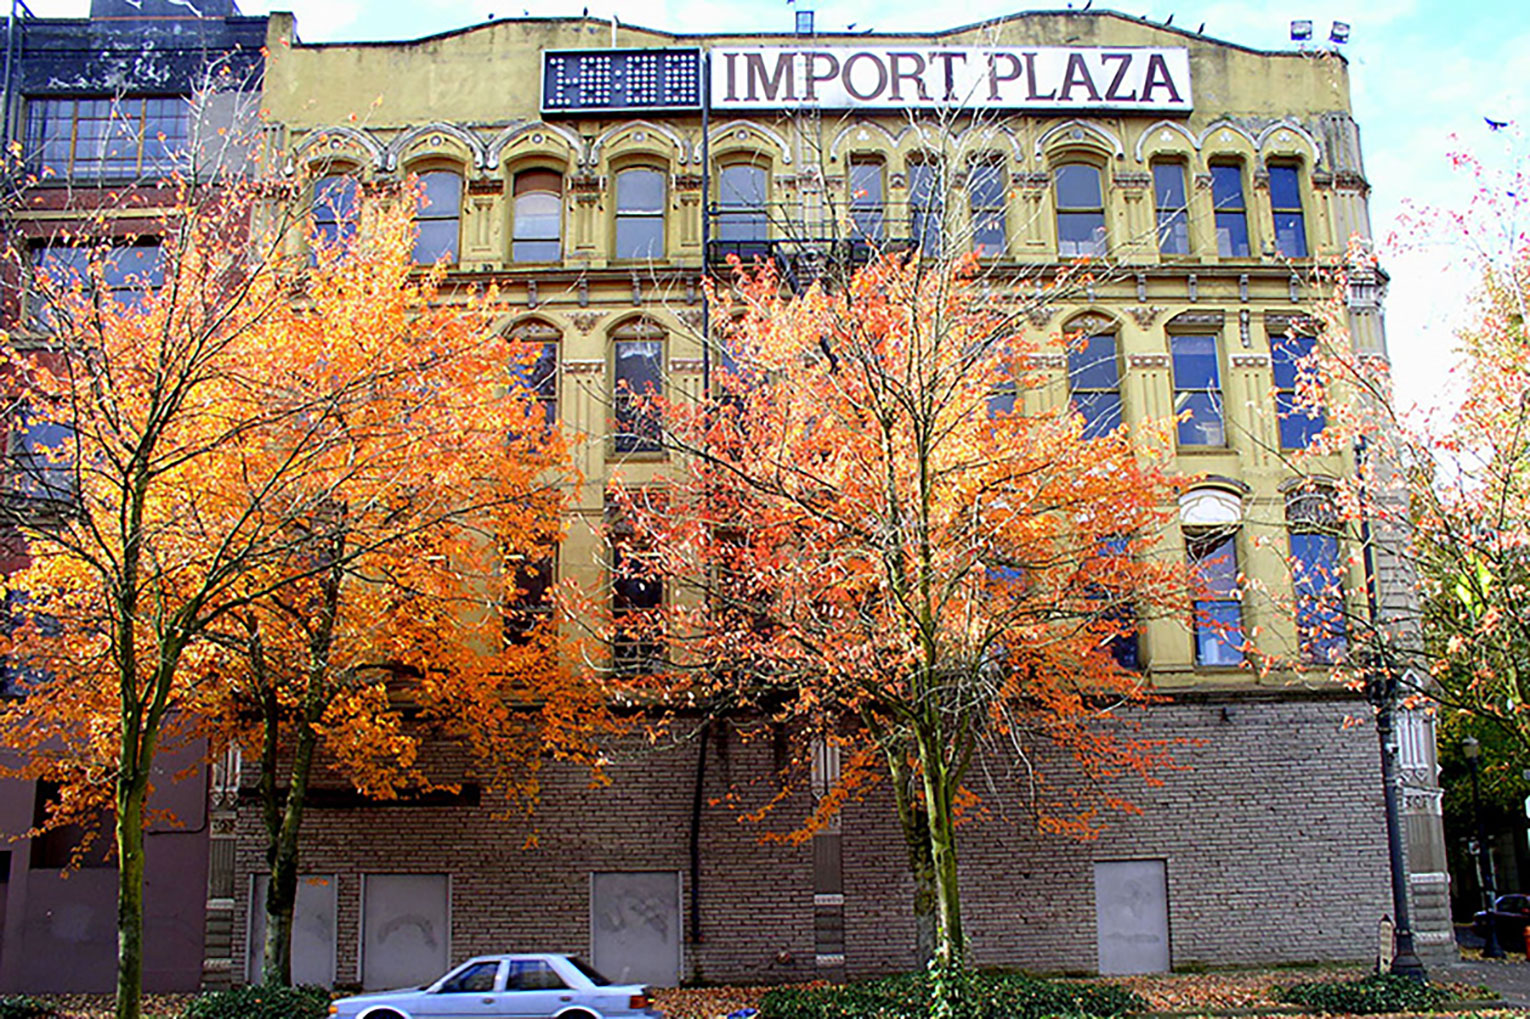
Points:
(1250, 360)
(1144, 314)
(584, 321)
(1147, 360)
(589, 367)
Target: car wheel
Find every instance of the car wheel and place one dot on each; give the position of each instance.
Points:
(386, 1013)
(575, 1015)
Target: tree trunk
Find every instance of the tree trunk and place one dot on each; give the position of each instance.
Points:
(915, 823)
(132, 790)
(282, 854)
(949, 997)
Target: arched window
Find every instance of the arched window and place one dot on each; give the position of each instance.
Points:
(336, 201)
(742, 222)
(1169, 198)
(1231, 210)
(1080, 211)
(926, 205)
(1094, 382)
(1210, 519)
(640, 213)
(1286, 202)
(986, 190)
(637, 352)
(538, 374)
(537, 227)
(867, 208)
(1317, 578)
(439, 217)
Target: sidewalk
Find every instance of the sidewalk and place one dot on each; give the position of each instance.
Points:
(1510, 977)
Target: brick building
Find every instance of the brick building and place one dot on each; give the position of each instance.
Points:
(102, 108)
(597, 171)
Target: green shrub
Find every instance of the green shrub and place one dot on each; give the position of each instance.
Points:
(25, 1008)
(993, 996)
(261, 1003)
(1385, 992)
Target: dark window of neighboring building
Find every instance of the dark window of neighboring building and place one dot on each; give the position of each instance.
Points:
(440, 215)
(56, 848)
(640, 213)
(1231, 210)
(1298, 425)
(1286, 201)
(1218, 610)
(1198, 389)
(639, 361)
(127, 272)
(1173, 215)
(540, 376)
(926, 205)
(108, 137)
(741, 216)
(537, 227)
(24, 666)
(1080, 211)
(1094, 382)
(867, 208)
(635, 596)
(987, 189)
(336, 203)
(41, 459)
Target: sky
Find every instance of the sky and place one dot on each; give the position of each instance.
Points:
(1425, 76)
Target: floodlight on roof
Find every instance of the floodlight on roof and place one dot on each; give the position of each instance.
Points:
(1340, 32)
(1301, 31)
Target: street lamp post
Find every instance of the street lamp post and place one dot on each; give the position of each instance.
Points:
(1491, 949)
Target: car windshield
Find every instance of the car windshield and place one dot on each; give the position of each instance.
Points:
(590, 972)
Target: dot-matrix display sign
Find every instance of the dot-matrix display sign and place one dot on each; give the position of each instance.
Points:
(645, 79)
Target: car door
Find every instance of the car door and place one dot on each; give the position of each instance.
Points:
(534, 990)
(473, 992)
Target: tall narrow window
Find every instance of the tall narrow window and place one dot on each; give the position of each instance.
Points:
(636, 594)
(537, 227)
(1080, 211)
(742, 224)
(436, 223)
(867, 208)
(1298, 424)
(1286, 201)
(926, 206)
(128, 274)
(1231, 210)
(1317, 577)
(1094, 380)
(108, 137)
(1124, 646)
(1198, 390)
(640, 213)
(1218, 611)
(528, 603)
(335, 206)
(986, 191)
(42, 459)
(639, 358)
(1173, 215)
(538, 375)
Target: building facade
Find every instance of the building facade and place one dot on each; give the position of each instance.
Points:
(598, 171)
(100, 110)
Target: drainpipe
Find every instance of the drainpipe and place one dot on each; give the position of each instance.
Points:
(701, 778)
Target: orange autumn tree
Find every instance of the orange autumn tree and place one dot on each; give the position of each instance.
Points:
(887, 526)
(231, 433)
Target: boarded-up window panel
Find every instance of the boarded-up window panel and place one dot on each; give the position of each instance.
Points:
(635, 926)
(405, 939)
(313, 929)
(1131, 903)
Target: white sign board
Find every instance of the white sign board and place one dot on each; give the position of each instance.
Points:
(1047, 78)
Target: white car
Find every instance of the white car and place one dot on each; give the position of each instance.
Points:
(533, 986)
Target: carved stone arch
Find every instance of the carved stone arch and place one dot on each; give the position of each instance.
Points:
(529, 324)
(494, 152)
(1085, 133)
(1164, 127)
(344, 141)
(1222, 136)
(1091, 322)
(638, 325)
(726, 135)
(987, 138)
(919, 136)
(865, 131)
(1197, 318)
(477, 152)
(1275, 130)
(682, 150)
